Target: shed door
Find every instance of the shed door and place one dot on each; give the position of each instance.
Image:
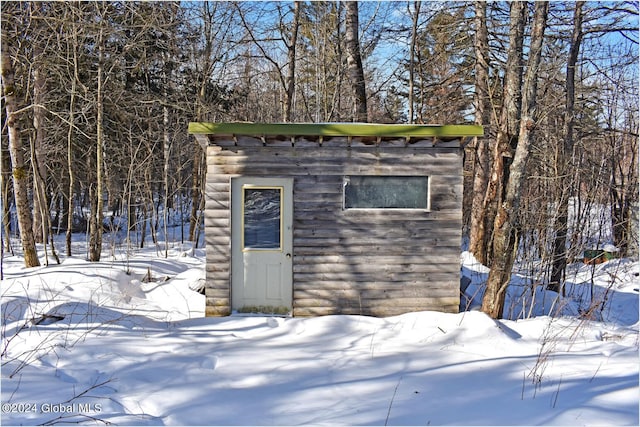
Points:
(261, 243)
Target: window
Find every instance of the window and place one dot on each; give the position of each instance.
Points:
(262, 218)
(386, 192)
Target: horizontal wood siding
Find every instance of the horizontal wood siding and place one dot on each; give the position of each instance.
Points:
(217, 233)
(371, 262)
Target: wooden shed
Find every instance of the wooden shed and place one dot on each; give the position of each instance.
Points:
(335, 218)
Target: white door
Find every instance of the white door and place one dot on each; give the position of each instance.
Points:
(261, 244)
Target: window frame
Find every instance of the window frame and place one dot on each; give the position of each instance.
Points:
(346, 178)
(280, 189)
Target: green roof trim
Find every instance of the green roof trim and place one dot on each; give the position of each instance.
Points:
(336, 129)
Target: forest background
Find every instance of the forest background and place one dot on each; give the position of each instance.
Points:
(97, 97)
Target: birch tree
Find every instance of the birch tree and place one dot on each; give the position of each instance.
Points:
(18, 165)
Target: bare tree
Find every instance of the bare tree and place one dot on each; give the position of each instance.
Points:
(41, 212)
(19, 169)
(621, 156)
(72, 47)
(507, 132)
(322, 81)
(40, 202)
(214, 22)
(412, 55)
(97, 205)
(566, 150)
(291, 66)
(481, 154)
(354, 63)
(5, 187)
(287, 37)
(505, 240)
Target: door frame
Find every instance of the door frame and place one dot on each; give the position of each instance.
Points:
(239, 254)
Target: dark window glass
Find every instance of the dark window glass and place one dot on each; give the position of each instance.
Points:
(386, 192)
(262, 218)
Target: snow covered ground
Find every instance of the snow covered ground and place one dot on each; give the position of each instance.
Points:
(93, 343)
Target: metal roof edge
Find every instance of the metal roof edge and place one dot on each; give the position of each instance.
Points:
(336, 129)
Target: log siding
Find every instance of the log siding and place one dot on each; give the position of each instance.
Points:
(356, 261)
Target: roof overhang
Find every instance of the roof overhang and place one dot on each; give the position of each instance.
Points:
(203, 131)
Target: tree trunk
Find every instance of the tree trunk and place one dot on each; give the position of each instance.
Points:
(40, 205)
(196, 193)
(40, 202)
(291, 68)
(95, 223)
(19, 169)
(354, 63)
(412, 54)
(507, 132)
(481, 153)
(505, 239)
(623, 188)
(144, 222)
(70, 164)
(166, 153)
(198, 156)
(5, 187)
(565, 157)
(165, 176)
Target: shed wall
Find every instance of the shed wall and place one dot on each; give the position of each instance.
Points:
(371, 262)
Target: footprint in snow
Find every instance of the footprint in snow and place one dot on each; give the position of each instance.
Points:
(274, 322)
(209, 362)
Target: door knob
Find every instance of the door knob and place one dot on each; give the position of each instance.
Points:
(288, 256)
